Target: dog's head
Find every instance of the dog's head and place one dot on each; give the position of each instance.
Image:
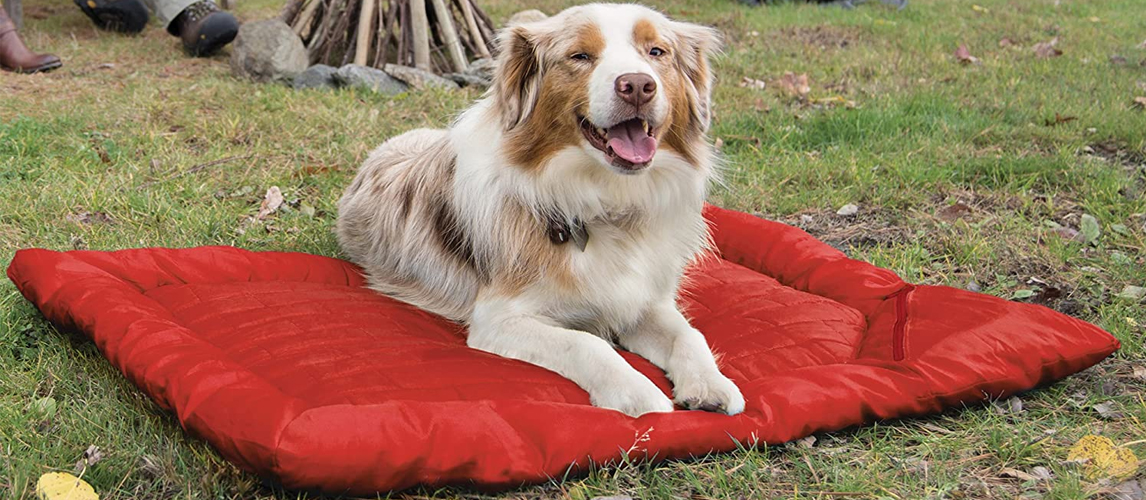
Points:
(616, 82)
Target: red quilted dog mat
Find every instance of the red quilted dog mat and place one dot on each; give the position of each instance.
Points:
(294, 371)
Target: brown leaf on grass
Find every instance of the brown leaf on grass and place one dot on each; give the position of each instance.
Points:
(1017, 474)
(1118, 60)
(963, 55)
(1006, 42)
(1140, 102)
(956, 211)
(794, 85)
(759, 106)
(1047, 49)
(1059, 120)
(1140, 372)
(271, 203)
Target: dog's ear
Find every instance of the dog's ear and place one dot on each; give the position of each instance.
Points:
(697, 44)
(517, 79)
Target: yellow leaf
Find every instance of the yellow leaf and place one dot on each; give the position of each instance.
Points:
(977, 8)
(1102, 459)
(63, 486)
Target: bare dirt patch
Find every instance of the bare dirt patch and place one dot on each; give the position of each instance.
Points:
(869, 227)
(821, 37)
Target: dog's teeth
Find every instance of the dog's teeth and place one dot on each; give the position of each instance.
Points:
(600, 131)
(646, 124)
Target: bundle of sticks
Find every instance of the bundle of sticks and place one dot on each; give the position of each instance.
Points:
(433, 35)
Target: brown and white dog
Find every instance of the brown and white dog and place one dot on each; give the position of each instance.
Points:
(556, 216)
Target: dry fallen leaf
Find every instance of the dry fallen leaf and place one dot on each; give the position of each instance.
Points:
(963, 55)
(1059, 120)
(752, 83)
(1006, 42)
(271, 202)
(1100, 458)
(1107, 411)
(1128, 490)
(1140, 372)
(1017, 474)
(1132, 292)
(1047, 49)
(91, 456)
(1042, 473)
(806, 442)
(954, 212)
(64, 486)
(1140, 102)
(760, 106)
(795, 85)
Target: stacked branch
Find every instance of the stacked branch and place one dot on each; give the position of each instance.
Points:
(433, 35)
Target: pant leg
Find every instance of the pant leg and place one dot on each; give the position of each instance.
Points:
(167, 10)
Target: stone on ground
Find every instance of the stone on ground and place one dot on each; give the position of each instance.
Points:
(268, 51)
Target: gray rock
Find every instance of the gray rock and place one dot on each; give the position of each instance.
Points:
(417, 78)
(353, 75)
(468, 80)
(526, 16)
(481, 68)
(268, 51)
(319, 76)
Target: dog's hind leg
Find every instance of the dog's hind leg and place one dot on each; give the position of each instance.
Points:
(504, 326)
(665, 338)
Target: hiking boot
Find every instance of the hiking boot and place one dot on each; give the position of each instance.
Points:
(204, 28)
(15, 56)
(124, 16)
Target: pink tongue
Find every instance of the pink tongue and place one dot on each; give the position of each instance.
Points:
(629, 141)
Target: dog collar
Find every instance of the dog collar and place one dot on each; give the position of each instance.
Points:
(560, 232)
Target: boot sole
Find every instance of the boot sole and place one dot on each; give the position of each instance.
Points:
(39, 69)
(123, 16)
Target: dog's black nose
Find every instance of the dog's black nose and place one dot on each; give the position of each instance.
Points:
(635, 88)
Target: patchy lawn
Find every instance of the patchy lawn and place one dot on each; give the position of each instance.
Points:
(1019, 175)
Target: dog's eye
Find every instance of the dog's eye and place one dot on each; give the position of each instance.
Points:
(580, 56)
(656, 52)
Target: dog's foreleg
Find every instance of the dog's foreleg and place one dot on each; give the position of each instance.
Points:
(665, 338)
(506, 327)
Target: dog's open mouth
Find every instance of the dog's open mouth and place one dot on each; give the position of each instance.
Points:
(630, 144)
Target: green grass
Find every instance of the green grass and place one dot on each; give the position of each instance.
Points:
(177, 153)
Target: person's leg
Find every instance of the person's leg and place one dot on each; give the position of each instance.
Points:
(203, 28)
(15, 56)
(167, 10)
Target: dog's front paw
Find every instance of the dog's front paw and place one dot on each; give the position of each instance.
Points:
(709, 392)
(634, 399)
